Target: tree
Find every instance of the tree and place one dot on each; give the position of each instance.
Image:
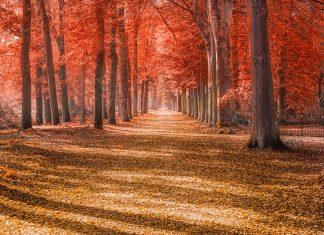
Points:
(49, 64)
(39, 94)
(100, 60)
(123, 64)
(25, 66)
(62, 66)
(265, 133)
(113, 69)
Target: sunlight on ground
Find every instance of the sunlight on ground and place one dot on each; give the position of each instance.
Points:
(159, 174)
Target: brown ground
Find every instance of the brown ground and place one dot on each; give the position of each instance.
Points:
(162, 173)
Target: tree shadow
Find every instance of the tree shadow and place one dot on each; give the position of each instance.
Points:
(137, 219)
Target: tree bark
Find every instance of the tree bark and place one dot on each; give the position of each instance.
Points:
(39, 95)
(83, 93)
(154, 95)
(142, 97)
(104, 94)
(196, 105)
(100, 61)
(179, 106)
(113, 75)
(264, 133)
(47, 102)
(184, 101)
(62, 66)
(135, 73)
(122, 66)
(146, 92)
(25, 66)
(129, 73)
(212, 94)
(320, 92)
(206, 101)
(201, 100)
(55, 116)
(220, 13)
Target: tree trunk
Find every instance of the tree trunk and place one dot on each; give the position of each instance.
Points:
(129, 73)
(146, 91)
(206, 101)
(179, 108)
(320, 92)
(135, 73)
(142, 97)
(265, 133)
(154, 96)
(196, 105)
(62, 66)
(201, 100)
(113, 76)
(25, 66)
(212, 94)
(220, 13)
(122, 66)
(39, 95)
(100, 61)
(104, 94)
(55, 116)
(184, 101)
(83, 93)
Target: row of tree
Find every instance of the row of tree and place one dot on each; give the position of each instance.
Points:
(106, 95)
(106, 51)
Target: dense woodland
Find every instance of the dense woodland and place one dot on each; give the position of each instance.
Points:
(223, 62)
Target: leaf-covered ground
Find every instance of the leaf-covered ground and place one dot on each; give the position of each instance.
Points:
(162, 173)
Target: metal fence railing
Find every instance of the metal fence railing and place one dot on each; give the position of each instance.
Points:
(304, 125)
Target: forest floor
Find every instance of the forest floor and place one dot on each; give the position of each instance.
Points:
(163, 173)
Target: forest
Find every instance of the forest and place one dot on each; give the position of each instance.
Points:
(161, 116)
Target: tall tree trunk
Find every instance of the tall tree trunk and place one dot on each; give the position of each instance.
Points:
(196, 104)
(142, 97)
(184, 101)
(25, 66)
(212, 94)
(179, 106)
(320, 91)
(122, 66)
(146, 92)
(47, 102)
(154, 95)
(113, 74)
(206, 101)
(100, 61)
(135, 73)
(39, 95)
(104, 94)
(201, 100)
(265, 133)
(83, 93)
(220, 13)
(55, 116)
(129, 73)
(62, 66)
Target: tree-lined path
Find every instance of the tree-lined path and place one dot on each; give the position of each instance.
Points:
(161, 173)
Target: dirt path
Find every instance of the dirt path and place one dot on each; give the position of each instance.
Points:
(162, 173)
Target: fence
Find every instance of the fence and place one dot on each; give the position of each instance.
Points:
(304, 125)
